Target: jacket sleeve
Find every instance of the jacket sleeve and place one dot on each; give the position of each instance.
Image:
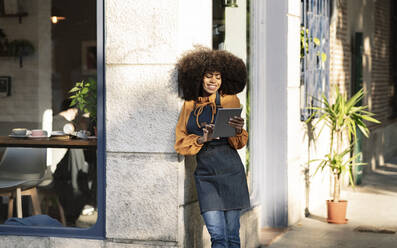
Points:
(185, 144)
(240, 140)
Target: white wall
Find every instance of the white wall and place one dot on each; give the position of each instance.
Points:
(31, 84)
(279, 146)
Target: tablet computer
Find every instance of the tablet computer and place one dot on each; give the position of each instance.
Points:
(222, 127)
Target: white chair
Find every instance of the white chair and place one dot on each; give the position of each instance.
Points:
(21, 170)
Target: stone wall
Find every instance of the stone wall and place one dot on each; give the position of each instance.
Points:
(141, 112)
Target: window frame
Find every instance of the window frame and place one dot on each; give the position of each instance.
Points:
(97, 231)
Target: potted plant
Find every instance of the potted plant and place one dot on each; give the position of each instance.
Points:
(343, 117)
(84, 97)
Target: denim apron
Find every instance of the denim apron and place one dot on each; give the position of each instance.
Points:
(220, 177)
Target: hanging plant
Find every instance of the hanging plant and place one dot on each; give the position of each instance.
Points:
(20, 49)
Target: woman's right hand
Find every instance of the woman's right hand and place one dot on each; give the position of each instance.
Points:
(207, 134)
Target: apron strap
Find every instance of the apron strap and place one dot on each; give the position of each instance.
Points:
(218, 100)
(217, 103)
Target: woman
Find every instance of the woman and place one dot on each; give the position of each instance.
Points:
(209, 80)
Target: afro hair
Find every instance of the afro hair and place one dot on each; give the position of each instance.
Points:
(195, 63)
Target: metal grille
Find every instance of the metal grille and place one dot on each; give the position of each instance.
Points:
(314, 53)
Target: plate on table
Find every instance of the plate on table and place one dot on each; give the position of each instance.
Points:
(58, 133)
(37, 137)
(13, 135)
(18, 135)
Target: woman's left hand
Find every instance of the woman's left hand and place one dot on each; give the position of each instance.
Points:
(237, 123)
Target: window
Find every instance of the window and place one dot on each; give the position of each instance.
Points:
(46, 47)
(314, 53)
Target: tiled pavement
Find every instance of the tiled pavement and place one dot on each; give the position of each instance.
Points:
(372, 206)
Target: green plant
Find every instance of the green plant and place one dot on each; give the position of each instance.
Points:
(343, 117)
(84, 97)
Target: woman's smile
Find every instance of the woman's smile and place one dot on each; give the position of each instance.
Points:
(212, 87)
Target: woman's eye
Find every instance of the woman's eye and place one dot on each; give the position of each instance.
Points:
(209, 75)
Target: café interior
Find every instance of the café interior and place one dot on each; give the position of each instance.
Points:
(48, 76)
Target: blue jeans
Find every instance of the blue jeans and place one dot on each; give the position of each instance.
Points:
(223, 227)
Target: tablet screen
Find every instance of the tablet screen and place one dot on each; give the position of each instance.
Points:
(222, 127)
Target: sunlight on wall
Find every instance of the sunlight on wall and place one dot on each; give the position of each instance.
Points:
(194, 24)
(47, 126)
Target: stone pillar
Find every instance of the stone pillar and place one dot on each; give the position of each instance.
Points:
(148, 191)
(268, 136)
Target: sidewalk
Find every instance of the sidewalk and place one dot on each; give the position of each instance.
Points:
(372, 209)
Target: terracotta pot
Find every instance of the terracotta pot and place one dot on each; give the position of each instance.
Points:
(337, 212)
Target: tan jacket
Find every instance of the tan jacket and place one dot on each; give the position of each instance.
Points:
(186, 144)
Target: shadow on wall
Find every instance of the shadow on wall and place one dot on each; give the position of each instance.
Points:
(193, 223)
(306, 167)
(382, 143)
(376, 73)
(381, 147)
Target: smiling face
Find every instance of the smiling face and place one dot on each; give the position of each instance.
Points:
(211, 82)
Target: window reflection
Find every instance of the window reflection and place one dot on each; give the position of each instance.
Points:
(218, 25)
(46, 47)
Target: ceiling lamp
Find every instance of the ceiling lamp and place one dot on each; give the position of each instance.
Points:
(56, 16)
(56, 19)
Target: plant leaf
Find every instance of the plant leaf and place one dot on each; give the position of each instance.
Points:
(368, 118)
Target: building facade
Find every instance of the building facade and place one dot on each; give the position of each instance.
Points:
(150, 198)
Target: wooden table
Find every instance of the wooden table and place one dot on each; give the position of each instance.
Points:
(6, 141)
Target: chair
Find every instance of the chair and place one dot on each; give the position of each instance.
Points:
(49, 196)
(21, 170)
